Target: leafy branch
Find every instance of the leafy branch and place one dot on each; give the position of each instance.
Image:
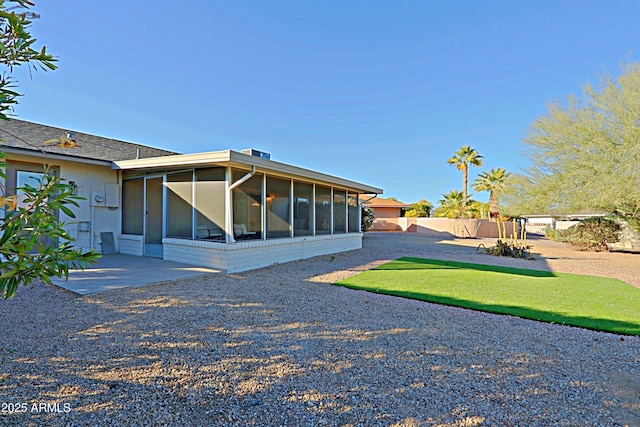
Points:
(17, 47)
(34, 244)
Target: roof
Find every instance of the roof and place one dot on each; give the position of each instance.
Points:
(245, 161)
(22, 136)
(386, 203)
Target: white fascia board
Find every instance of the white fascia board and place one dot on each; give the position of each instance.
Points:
(179, 160)
(233, 158)
(270, 166)
(45, 156)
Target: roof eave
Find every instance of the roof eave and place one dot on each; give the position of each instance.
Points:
(178, 160)
(233, 158)
(49, 155)
(295, 171)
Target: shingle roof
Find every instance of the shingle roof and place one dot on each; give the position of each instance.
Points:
(23, 135)
(379, 202)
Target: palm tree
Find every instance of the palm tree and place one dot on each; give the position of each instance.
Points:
(493, 182)
(450, 205)
(462, 158)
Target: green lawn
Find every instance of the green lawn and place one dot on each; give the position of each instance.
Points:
(597, 303)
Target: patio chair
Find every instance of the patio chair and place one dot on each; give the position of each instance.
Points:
(240, 232)
(211, 233)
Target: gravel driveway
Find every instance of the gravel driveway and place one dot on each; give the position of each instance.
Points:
(282, 346)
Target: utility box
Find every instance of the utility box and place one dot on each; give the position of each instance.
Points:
(97, 199)
(256, 153)
(109, 198)
(111, 195)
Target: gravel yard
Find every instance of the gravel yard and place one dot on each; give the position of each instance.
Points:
(282, 346)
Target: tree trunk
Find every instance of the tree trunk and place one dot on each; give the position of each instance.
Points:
(465, 182)
(493, 204)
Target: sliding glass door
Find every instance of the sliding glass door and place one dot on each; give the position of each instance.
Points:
(153, 217)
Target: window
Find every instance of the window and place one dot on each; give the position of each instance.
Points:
(132, 206)
(179, 205)
(247, 206)
(302, 209)
(323, 210)
(209, 203)
(354, 213)
(24, 178)
(278, 207)
(18, 174)
(339, 211)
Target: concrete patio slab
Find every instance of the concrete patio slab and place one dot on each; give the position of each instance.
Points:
(119, 271)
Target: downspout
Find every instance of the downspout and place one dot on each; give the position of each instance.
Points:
(230, 233)
(369, 199)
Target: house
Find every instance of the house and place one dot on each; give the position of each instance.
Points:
(389, 216)
(387, 212)
(539, 224)
(224, 209)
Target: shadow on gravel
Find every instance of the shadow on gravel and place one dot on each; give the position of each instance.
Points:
(271, 347)
(243, 350)
(410, 263)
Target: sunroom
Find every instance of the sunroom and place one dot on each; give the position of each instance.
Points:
(235, 211)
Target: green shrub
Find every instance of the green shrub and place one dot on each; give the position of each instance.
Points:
(367, 218)
(420, 209)
(592, 234)
(553, 234)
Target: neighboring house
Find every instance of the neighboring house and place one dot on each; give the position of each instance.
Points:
(539, 224)
(386, 212)
(223, 209)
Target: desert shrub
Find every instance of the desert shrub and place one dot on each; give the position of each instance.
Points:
(592, 234)
(553, 234)
(367, 218)
(420, 209)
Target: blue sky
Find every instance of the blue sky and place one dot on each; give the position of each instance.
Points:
(379, 92)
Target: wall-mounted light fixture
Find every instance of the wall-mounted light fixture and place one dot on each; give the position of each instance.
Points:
(74, 187)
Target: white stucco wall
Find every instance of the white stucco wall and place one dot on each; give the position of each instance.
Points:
(89, 179)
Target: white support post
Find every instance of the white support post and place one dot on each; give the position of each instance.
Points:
(229, 199)
(359, 213)
(346, 211)
(228, 234)
(313, 210)
(331, 222)
(291, 211)
(263, 212)
(194, 217)
(165, 206)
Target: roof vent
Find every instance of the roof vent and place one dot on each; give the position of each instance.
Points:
(254, 152)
